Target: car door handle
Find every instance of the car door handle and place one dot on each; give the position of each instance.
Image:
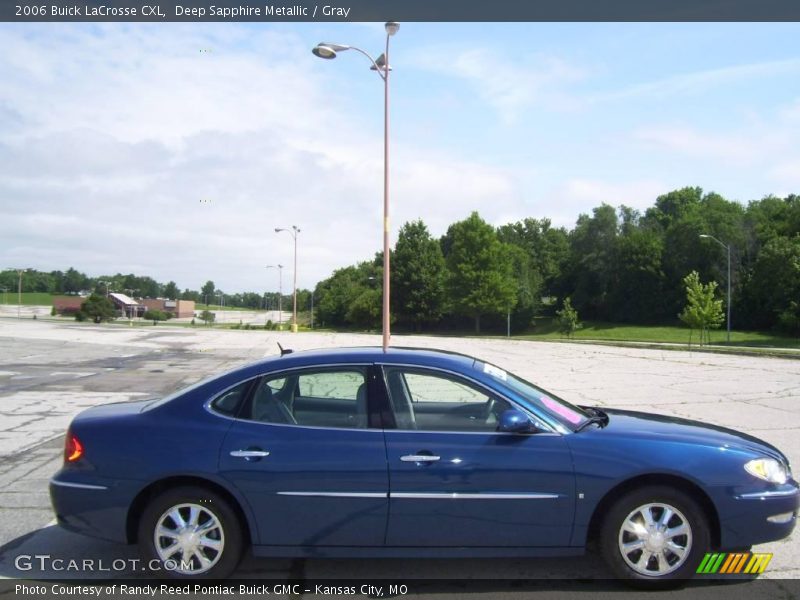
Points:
(249, 453)
(420, 458)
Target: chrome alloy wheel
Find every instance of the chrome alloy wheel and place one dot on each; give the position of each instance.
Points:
(189, 539)
(655, 539)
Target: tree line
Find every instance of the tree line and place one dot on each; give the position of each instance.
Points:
(73, 282)
(616, 265)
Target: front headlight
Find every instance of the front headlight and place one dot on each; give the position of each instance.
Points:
(767, 469)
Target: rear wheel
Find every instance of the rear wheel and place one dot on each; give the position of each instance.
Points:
(654, 537)
(190, 532)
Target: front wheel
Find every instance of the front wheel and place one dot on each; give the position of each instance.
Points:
(654, 537)
(190, 532)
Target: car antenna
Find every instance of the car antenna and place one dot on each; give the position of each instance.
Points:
(284, 350)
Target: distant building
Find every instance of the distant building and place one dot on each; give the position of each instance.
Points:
(127, 306)
(178, 308)
(67, 305)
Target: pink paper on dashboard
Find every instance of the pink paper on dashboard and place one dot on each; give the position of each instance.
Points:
(560, 409)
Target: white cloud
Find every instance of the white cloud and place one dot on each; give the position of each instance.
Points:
(698, 82)
(509, 84)
(122, 131)
(581, 195)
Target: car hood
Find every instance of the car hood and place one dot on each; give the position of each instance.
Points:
(639, 424)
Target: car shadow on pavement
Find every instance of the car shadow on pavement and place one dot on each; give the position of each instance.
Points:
(54, 554)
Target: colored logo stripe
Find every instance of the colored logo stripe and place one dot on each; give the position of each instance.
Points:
(734, 563)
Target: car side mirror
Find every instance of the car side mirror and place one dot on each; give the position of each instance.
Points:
(515, 421)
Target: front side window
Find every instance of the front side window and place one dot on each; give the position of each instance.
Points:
(313, 397)
(436, 401)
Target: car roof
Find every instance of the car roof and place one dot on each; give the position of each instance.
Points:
(369, 354)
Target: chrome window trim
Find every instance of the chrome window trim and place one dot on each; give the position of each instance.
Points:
(480, 384)
(79, 486)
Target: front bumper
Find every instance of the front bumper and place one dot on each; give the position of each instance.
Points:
(749, 517)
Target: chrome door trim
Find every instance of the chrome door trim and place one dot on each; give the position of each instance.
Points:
(428, 495)
(337, 494)
(79, 486)
(478, 496)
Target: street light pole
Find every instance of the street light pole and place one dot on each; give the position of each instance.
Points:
(293, 232)
(382, 67)
(728, 250)
(19, 293)
(280, 294)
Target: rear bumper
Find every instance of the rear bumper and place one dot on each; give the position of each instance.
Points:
(755, 517)
(96, 509)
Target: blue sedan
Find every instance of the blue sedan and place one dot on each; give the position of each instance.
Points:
(360, 452)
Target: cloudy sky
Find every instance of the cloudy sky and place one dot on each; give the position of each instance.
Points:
(174, 150)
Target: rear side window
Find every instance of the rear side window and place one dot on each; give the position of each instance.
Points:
(325, 397)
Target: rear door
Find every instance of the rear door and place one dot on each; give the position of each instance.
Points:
(305, 458)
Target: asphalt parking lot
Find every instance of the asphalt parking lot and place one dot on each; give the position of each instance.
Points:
(50, 371)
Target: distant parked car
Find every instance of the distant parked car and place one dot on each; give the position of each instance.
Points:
(360, 452)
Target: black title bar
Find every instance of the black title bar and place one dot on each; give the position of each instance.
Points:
(398, 10)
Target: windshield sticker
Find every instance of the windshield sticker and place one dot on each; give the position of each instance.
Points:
(561, 410)
(492, 370)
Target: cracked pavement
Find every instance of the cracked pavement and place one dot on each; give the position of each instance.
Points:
(49, 371)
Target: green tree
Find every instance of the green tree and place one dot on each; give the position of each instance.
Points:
(171, 291)
(207, 291)
(418, 276)
(480, 270)
(207, 317)
(591, 272)
(567, 319)
(98, 308)
(702, 310)
(547, 249)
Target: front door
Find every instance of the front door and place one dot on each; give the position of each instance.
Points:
(304, 457)
(457, 482)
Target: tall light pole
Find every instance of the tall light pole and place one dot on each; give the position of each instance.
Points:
(728, 249)
(293, 232)
(382, 68)
(19, 292)
(280, 293)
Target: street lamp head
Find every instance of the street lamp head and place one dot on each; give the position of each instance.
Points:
(392, 27)
(380, 64)
(328, 50)
(704, 235)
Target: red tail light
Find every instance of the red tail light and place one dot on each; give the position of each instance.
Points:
(73, 449)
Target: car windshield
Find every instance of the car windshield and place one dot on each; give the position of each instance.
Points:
(568, 415)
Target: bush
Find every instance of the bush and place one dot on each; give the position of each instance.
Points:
(80, 316)
(156, 315)
(53, 312)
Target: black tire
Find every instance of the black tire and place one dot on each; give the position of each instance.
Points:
(210, 548)
(659, 564)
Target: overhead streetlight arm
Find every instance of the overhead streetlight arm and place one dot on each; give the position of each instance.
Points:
(328, 51)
